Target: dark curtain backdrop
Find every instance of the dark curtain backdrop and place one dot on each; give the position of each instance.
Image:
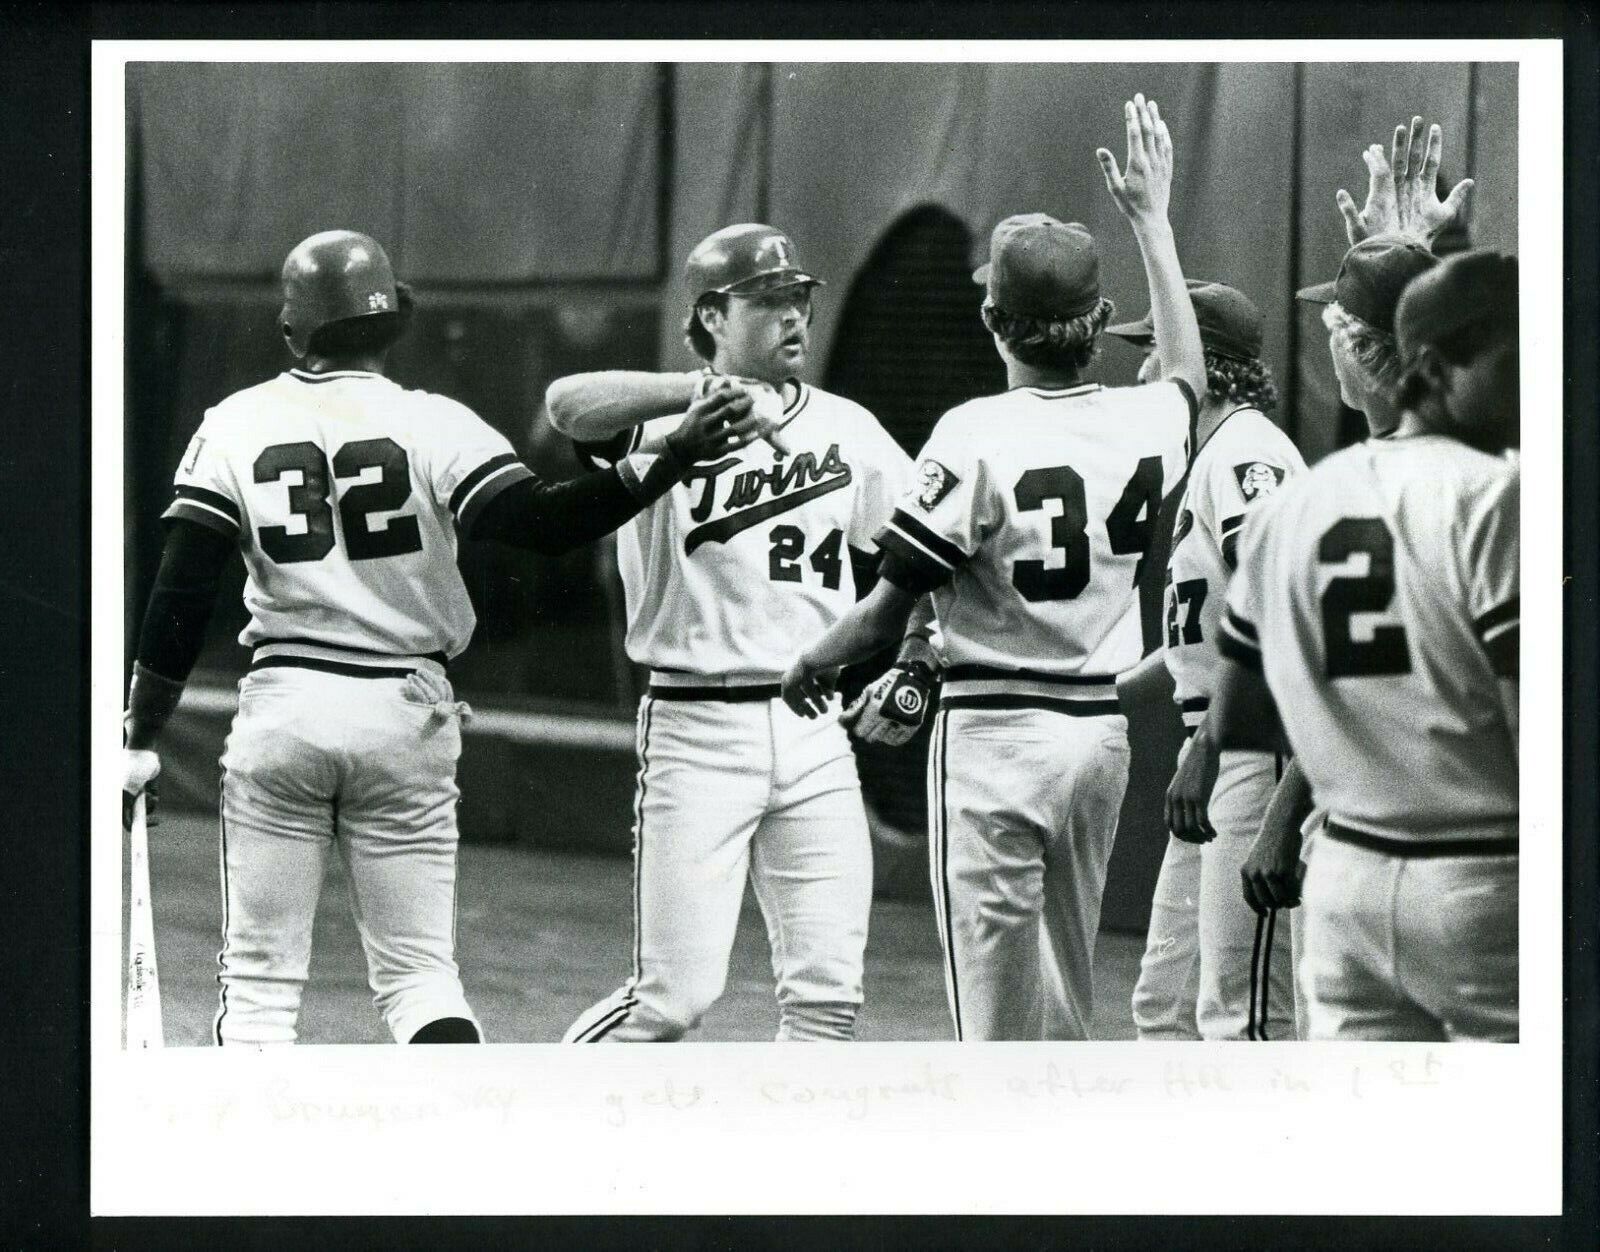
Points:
(544, 211)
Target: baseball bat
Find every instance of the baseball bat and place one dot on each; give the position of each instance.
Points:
(144, 985)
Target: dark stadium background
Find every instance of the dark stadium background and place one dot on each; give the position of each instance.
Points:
(542, 213)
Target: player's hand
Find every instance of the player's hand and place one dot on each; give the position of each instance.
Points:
(140, 766)
(1189, 793)
(717, 423)
(891, 709)
(1272, 873)
(1143, 189)
(767, 401)
(806, 689)
(1403, 189)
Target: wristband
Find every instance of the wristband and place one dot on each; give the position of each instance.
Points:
(152, 699)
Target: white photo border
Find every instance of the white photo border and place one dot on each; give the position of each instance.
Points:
(886, 1128)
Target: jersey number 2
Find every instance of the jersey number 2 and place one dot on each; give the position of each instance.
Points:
(1386, 652)
(309, 499)
(1127, 527)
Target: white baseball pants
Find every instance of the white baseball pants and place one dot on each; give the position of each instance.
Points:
(730, 790)
(1410, 948)
(1211, 968)
(1022, 811)
(316, 762)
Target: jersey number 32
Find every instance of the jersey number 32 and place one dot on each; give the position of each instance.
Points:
(309, 499)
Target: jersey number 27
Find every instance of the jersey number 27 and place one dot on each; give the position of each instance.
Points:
(309, 499)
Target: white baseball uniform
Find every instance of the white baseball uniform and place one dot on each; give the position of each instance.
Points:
(1029, 522)
(1211, 968)
(724, 578)
(1379, 595)
(344, 490)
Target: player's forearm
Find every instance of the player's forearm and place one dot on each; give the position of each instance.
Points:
(869, 626)
(554, 518)
(1177, 334)
(1290, 804)
(594, 407)
(174, 626)
(1150, 679)
(916, 642)
(1243, 714)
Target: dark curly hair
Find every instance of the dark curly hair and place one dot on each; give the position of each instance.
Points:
(1238, 380)
(372, 332)
(1066, 345)
(694, 331)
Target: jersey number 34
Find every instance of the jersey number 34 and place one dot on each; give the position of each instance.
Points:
(309, 499)
(1128, 527)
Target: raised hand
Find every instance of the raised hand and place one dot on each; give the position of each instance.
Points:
(1143, 189)
(1403, 191)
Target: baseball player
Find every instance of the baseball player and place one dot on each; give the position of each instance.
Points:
(757, 550)
(1376, 614)
(1211, 969)
(1029, 523)
(345, 492)
(1391, 239)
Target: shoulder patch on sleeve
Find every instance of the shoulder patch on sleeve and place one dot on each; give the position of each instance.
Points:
(934, 483)
(1257, 479)
(193, 455)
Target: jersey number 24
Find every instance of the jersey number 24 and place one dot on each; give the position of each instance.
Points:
(309, 499)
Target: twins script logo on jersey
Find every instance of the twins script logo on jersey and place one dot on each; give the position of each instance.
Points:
(934, 483)
(1257, 479)
(803, 480)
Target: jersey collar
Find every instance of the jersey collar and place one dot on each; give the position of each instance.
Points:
(1061, 393)
(802, 397)
(306, 376)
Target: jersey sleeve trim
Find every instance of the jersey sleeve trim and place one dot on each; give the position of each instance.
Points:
(939, 550)
(1194, 416)
(483, 485)
(907, 568)
(1230, 529)
(1500, 630)
(599, 454)
(211, 509)
(1238, 640)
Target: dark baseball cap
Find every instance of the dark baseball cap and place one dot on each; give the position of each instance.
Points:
(1039, 267)
(1229, 321)
(1470, 287)
(1371, 278)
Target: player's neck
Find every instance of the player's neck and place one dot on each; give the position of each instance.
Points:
(366, 362)
(1020, 375)
(1212, 411)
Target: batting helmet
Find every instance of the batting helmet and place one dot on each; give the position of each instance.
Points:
(742, 260)
(330, 277)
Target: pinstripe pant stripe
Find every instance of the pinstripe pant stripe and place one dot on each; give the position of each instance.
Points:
(222, 964)
(941, 851)
(604, 1025)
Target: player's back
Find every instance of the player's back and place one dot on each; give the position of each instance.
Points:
(1041, 504)
(344, 489)
(1383, 588)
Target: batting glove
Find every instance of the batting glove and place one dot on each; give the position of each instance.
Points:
(139, 769)
(890, 710)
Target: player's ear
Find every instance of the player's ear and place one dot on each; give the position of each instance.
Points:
(712, 316)
(1422, 379)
